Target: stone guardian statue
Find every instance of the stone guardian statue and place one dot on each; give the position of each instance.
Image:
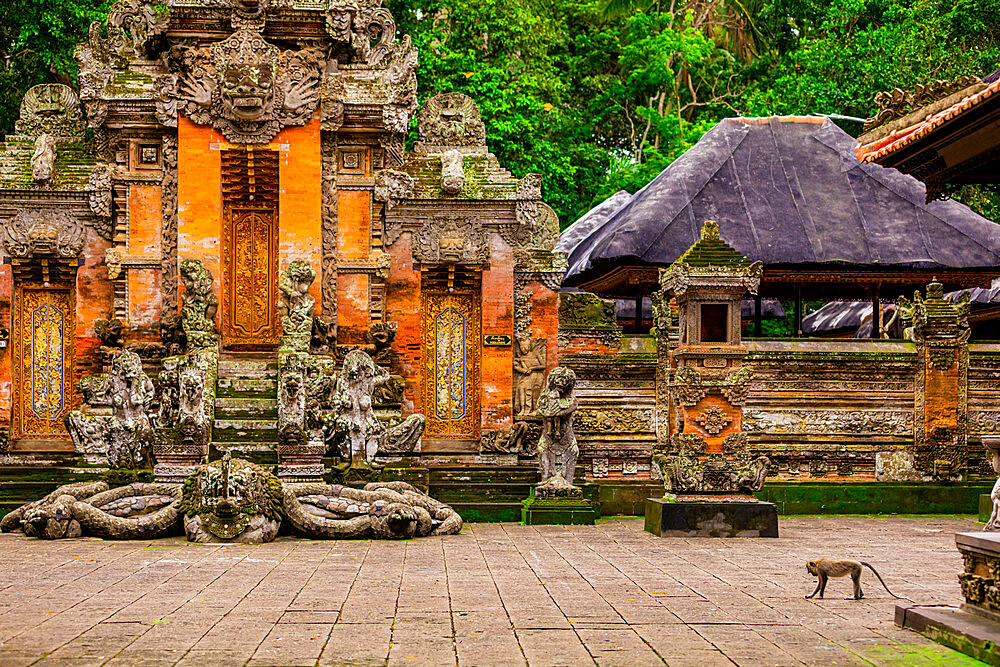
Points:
(557, 448)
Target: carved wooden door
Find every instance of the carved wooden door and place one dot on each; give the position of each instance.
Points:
(43, 344)
(451, 324)
(250, 249)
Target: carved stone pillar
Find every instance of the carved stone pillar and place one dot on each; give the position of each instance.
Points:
(940, 329)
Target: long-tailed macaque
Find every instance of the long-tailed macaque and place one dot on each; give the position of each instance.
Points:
(825, 568)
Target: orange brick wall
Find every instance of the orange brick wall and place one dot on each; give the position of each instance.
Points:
(940, 397)
(545, 320)
(352, 308)
(144, 239)
(498, 318)
(94, 299)
(353, 241)
(402, 306)
(300, 202)
(199, 196)
(6, 296)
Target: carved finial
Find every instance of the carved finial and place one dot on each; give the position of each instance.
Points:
(710, 230)
(935, 290)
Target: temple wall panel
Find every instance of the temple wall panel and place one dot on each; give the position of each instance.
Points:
(94, 299)
(352, 308)
(300, 202)
(199, 196)
(498, 318)
(402, 306)
(614, 425)
(823, 409)
(353, 243)
(983, 401)
(545, 320)
(144, 209)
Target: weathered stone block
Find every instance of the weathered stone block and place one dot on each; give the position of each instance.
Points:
(711, 519)
(564, 510)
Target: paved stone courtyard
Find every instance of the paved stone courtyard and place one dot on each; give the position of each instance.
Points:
(497, 594)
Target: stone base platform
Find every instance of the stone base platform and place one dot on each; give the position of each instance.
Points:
(708, 518)
(956, 628)
(563, 509)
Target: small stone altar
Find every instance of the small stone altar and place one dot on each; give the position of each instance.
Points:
(708, 468)
(556, 500)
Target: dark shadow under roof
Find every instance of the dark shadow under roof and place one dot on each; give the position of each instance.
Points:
(788, 192)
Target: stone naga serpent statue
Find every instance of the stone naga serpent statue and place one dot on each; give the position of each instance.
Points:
(231, 500)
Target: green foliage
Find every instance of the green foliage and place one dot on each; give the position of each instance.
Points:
(37, 39)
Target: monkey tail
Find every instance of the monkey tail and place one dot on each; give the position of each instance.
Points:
(898, 597)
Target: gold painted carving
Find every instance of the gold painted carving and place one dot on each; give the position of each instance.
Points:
(43, 347)
(250, 248)
(450, 328)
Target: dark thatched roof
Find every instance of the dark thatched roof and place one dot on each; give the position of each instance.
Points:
(790, 193)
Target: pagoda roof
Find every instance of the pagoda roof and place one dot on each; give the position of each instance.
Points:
(788, 192)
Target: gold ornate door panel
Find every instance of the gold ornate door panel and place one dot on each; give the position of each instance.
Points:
(250, 248)
(451, 322)
(43, 344)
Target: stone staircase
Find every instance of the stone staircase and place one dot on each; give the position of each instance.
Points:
(246, 406)
(483, 493)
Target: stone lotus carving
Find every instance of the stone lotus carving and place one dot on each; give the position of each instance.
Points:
(450, 119)
(43, 159)
(358, 434)
(200, 303)
(232, 500)
(50, 108)
(244, 86)
(34, 233)
(557, 448)
(445, 240)
(295, 304)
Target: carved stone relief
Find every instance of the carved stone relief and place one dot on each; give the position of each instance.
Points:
(452, 172)
(36, 232)
(43, 159)
(445, 240)
(244, 86)
(530, 357)
(391, 186)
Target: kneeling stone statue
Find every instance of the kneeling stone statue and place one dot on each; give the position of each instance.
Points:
(360, 435)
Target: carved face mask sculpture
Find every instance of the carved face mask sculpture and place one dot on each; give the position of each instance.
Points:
(248, 91)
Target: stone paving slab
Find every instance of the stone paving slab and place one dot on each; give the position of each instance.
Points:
(496, 594)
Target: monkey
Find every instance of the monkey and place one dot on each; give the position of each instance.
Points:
(825, 568)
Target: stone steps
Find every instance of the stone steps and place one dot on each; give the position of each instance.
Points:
(246, 404)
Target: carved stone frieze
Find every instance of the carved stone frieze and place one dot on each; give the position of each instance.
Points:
(130, 25)
(43, 233)
(244, 86)
(50, 108)
(328, 230)
(619, 420)
(168, 224)
(445, 240)
(99, 192)
(787, 421)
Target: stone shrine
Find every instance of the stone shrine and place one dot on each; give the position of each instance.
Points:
(708, 469)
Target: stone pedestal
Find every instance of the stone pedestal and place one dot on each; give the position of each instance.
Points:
(564, 506)
(711, 518)
(974, 629)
